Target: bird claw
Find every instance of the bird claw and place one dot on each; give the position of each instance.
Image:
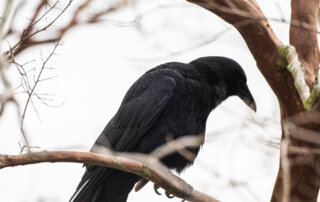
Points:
(156, 188)
(169, 195)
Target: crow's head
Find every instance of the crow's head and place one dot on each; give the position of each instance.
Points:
(227, 75)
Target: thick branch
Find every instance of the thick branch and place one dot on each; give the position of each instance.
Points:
(248, 19)
(306, 41)
(146, 167)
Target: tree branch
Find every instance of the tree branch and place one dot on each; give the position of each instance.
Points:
(248, 19)
(147, 167)
(264, 45)
(306, 41)
(28, 37)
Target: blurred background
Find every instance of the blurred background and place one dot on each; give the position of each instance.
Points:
(75, 87)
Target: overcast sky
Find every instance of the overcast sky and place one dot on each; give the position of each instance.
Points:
(94, 67)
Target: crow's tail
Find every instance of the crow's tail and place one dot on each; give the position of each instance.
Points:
(100, 184)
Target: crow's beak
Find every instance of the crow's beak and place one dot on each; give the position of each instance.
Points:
(245, 95)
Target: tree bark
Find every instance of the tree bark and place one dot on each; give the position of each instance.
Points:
(303, 168)
(305, 41)
(298, 176)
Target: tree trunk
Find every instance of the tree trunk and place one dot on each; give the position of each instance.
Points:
(298, 176)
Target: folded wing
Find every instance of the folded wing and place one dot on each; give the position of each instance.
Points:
(140, 108)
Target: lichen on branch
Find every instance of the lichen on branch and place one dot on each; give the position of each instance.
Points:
(288, 58)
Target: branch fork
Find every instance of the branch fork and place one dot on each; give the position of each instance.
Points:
(288, 58)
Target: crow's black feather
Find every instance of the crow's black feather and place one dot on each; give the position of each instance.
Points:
(171, 99)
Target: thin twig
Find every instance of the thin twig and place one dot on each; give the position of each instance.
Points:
(26, 39)
(31, 92)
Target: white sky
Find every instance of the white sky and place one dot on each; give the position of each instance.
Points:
(95, 67)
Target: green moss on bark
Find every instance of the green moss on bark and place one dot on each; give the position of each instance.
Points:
(288, 53)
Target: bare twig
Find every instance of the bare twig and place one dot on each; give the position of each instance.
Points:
(5, 17)
(26, 37)
(31, 90)
(179, 145)
(285, 165)
(34, 21)
(303, 150)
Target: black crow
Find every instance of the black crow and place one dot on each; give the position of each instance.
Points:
(173, 98)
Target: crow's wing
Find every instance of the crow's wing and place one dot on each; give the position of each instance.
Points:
(142, 105)
(140, 108)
